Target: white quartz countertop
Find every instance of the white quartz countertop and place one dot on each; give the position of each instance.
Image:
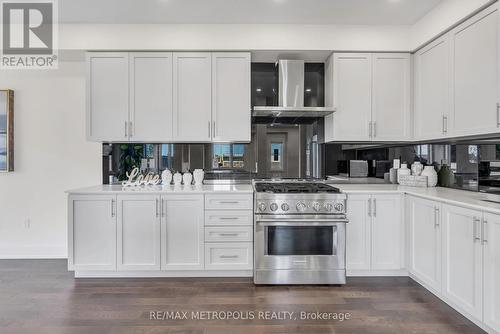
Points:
(171, 189)
(470, 199)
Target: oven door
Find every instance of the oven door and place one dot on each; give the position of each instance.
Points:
(301, 244)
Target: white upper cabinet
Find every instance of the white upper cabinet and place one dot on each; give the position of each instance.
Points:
(138, 234)
(432, 90)
(391, 109)
(371, 95)
(424, 223)
(151, 97)
(231, 106)
(475, 67)
(491, 244)
(107, 96)
(352, 96)
(193, 97)
(462, 259)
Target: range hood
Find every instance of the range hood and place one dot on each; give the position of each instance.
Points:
(291, 95)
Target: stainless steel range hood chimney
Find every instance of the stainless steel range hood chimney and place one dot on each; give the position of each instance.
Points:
(291, 94)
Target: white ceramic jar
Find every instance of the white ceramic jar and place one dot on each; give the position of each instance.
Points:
(177, 178)
(432, 177)
(187, 178)
(166, 177)
(417, 168)
(403, 171)
(198, 176)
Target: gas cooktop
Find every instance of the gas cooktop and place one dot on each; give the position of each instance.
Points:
(294, 187)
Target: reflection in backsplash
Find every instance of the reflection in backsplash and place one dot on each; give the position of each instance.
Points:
(474, 167)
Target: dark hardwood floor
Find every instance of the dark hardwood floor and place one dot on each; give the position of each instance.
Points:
(40, 296)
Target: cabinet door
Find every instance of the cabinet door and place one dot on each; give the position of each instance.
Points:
(387, 242)
(151, 97)
(425, 241)
(491, 244)
(391, 97)
(352, 96)
(138, 232)
(231, 110)
(432, 90)
(462, 259)
(92, 232)
(107, 96)
(182, 233)
(475, 75)
(192, 97)
(358, 232)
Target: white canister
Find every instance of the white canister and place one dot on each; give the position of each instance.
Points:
(177, 178)
(166, 177)
(417, 168)
(432, 177)
(187, 178)
(403, 171)
(198, 176)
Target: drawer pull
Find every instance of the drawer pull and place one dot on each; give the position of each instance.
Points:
(228, 234)
(228, 202)
(229, 256)
(228, 218)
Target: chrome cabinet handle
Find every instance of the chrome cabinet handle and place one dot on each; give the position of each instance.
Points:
(228, 202)
(374, 129)
(113, 213)
(498, 114)
(484, 231)
(370, 129)
(436, 217)
(126, 129)
(130, 129)
(213, 130)
(162, 211)
(445, 124)
(228, 234)
(209, 136)
(369, 207)
(229, 256)
(476, 232)
(374, 207)
(156, 206)
(228, 218)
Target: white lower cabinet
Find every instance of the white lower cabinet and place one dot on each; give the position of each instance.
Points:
(491, 245)
(229, 256)
(92, 232)
(138, 237)
(375, 233)
(182, 233)
(423, 217)
(462, 259)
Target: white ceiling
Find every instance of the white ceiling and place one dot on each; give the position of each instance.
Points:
(371, 12)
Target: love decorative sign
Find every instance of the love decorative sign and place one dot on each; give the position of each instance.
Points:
(135, 179)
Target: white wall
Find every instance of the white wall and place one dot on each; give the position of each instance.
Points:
(445, 15)
(51, 156)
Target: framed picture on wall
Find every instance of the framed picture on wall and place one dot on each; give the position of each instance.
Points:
(6, 130)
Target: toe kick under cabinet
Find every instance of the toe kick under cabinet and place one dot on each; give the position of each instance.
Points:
(127, 235)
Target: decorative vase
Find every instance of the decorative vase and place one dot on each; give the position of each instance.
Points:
(187, 178)
(446, 178)
(166, 177)
(403, 170)
(198, 176)
(432, 176)
(416, 168)
(177, 178)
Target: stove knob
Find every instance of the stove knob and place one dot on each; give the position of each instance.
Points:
(285, 207)
(262, 207)
(273, 207)
(339, 207)
(316, 206)
(328, 207)
(301, 207)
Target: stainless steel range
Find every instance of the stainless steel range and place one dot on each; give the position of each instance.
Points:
(299, 231)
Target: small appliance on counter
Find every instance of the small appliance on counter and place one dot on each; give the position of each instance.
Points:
(353, 168)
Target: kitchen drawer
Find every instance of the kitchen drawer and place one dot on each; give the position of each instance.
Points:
(229, 256)
(229, 202)
(228, 233)
(228, 218)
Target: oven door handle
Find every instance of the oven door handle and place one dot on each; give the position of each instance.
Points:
(301, 223)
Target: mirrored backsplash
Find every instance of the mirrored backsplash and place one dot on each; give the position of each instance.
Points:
(475, 167)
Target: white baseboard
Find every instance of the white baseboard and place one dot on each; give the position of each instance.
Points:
(376, 273)
(159, 273)
(33, 252)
